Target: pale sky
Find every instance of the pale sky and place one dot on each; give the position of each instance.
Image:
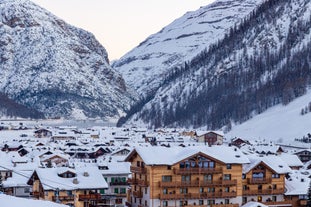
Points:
(120, 25)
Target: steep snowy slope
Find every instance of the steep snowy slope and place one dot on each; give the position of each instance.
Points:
(261, 62)
(145, 67)
(279, 123)
(54, 67)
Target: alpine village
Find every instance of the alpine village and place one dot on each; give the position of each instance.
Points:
(211, 111)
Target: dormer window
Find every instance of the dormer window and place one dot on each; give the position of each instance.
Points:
(67, 174)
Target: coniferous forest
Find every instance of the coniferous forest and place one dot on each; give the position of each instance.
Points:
(254, 67)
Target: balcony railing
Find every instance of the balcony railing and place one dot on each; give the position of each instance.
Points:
(197, 183)
(258, 180)
(197, 170)
(118, 183)
(204, 195)
(137, 194)
(263, 192)
(225, 205)
(95, 196)
(139, 170)
(63, 198)
(142, 183)
(132, 181)
(276, 203)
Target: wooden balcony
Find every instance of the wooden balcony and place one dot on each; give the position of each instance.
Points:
(197, 183)
(263, 192)
(132, 181)
(228, 194)
(204, 195)
(142, 183)
(277, 203)
(139, 170)
(258, 180)
(225, 205)
(118, 183)
(95, 196)
(63, 198)
(137, 194)
(185, 171)
(229, 182)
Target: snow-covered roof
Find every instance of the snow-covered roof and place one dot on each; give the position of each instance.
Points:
(88, 178)
(7, 200)
(19, 178)
(272, 161)
(200, 133)
(298, 183)
(172, 155)
(291, 160)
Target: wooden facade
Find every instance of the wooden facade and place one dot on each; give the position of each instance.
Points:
(201, 180)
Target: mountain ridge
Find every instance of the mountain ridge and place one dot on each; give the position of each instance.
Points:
(56, 68)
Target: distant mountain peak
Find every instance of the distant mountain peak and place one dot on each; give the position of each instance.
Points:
(56, 68)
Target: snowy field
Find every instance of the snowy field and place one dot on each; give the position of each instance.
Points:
(280, 123)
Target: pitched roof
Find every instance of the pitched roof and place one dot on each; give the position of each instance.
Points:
(88, 178)
(275, 163)
(172, 155)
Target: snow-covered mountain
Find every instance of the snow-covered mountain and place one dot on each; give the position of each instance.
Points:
(145, 67)
(55, 68)
(261, 60)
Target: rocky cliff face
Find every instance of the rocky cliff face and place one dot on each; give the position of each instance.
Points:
(146, 66)
(55, 68)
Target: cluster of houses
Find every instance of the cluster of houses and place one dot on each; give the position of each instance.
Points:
(135, 167)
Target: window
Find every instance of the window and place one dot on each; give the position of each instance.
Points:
(166, 178)
(123, 190)
(208, 177)
(243, 176)
(245, 187)
(227, 176)
(146, 203)
(183, 203)
(211, 189)
(227, 201)
(212, 164)
(116, 190)
(274, 186)
(169, 167)
(201, 190)
(275, 175)
(165, 191)
(185, 178)
(118, 200)
(258, 175)
(244, 200)
(138, 163)
(259, 198)
(228, 166)
(210, 202)
(146, 190)
(201, 202)
(102, 191)
(227, 189)
(165, 203)
(26, 190)
(69, 192)
(183, 190)
(274, 198)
